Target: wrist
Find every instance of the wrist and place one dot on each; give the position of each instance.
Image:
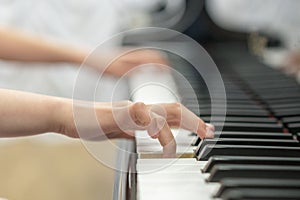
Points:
(64, 123)
(62, 119)
(104, 114)
(76, 56)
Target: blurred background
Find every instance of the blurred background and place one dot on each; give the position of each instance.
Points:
(56, 167)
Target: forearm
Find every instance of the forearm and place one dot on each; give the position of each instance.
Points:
(24, 47)
(24, 113)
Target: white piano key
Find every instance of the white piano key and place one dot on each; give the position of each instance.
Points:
(183, 139)
(168, 160)
(179, 140)
(158, 149)
(172, 163)
(174, 185)
(180, 165)
(183, 142)
(169, 168)
(166, 178)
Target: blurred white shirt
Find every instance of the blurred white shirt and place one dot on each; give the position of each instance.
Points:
(281, 17)
(78, 22)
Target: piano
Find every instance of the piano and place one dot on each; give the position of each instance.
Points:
(256, 155)
(256, 152)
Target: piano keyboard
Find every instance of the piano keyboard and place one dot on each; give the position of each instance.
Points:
(255, 156)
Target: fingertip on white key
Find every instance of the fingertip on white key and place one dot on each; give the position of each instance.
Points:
(169, 152)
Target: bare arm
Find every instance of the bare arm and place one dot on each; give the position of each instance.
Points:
(23, 113)
(19, 46)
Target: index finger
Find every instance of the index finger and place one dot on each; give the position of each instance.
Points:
(181, 117)
(159, 128)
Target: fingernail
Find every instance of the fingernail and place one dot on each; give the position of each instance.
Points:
(155, 136)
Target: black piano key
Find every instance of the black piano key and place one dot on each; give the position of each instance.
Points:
(244, 150)
(282, 101)
(287, 112)
(242, 119)
(215, 160)
(277, 90)
(271, 82)
(241, 96)
(241, 141)
(228, 106)
(232, 183)
(298, 137)
(221, 171)
(260, 90)
(221, 101)
(288, 105)
(256, 127)
(235, 112)
(294, 127)
(254, 135)
(290, 119)
(250, 135)
(217, 98)
(280, 95)
(261, 194)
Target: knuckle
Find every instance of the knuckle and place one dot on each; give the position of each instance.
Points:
(139, 116)
(139, 106)
(177, 105)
